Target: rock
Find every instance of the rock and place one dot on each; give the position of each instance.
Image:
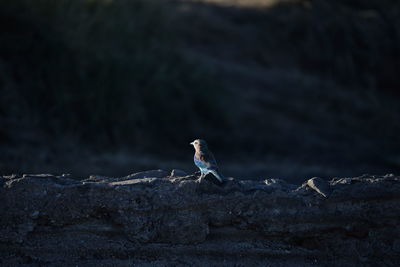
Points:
(278, 184)
(37, 175)
(249, 185)
(35, 214)
(320, 186)
(148, 174)
(147, 181)
(396, 246)
(211, 178)
(97, 178)
(178, 173)
(146, 216)
(209, 185)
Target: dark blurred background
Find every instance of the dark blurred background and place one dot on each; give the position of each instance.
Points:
(279, 89)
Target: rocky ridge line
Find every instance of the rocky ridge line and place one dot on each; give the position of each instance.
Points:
(163, 218)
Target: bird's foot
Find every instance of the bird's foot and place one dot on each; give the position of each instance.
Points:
(201, 178)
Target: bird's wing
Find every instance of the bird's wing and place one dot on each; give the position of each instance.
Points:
(209, 160)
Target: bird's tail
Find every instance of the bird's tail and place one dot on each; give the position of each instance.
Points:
(218, 175)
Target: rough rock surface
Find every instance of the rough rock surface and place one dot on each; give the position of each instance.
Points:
(319, 185)
(154, 218)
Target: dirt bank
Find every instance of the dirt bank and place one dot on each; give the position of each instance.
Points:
(154, 217)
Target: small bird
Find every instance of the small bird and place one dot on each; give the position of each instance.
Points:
(205, 161)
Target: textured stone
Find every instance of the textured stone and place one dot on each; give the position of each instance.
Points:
(178, 173)
(148, 174)
(319, 185)
(57, 220)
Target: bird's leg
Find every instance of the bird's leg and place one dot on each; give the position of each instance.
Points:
(201, 176)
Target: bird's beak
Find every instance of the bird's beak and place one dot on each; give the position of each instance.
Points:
(192, 143)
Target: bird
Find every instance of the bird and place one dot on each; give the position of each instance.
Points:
(205, 161)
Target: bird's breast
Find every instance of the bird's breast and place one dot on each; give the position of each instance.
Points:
(199, 163)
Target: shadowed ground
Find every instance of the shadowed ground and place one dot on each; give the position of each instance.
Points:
(155, 218)
(290, 89)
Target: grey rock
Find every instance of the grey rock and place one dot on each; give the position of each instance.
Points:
(136, 181)
(249, 185)
(45, 175)
(320, 186)
(278, 184)
(396, 245)
(178, 173)
(178, 221)
(12, 176)
(148, 174)
(35, 214)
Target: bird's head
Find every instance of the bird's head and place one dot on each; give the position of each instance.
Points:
(199, 144)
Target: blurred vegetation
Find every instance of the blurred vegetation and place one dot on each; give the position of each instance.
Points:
(300, 87)
(108, 71)
(355, 42)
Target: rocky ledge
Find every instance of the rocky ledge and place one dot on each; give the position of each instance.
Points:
(162, 218)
